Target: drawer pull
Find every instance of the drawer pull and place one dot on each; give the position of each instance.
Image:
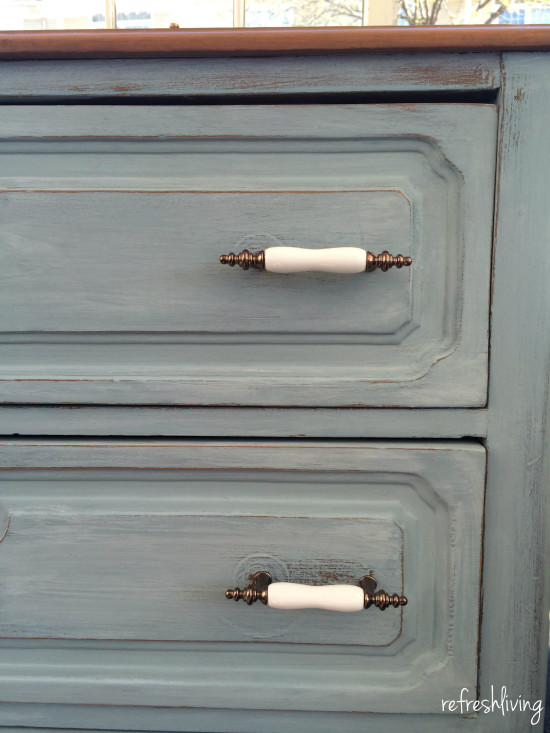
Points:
(346, 598)
(295, 259)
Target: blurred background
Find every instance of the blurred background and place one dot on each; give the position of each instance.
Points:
(73, 14)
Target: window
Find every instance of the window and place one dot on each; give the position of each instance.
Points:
(61, 14)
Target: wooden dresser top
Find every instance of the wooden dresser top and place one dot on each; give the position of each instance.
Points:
(202, 42)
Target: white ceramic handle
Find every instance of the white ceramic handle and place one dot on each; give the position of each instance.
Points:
(290, 596)
(335, 259)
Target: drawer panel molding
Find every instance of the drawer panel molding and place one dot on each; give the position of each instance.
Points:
(115, 556)
(112, 290)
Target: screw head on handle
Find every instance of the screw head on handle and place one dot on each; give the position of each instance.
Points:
(380, 598)
(256, 591)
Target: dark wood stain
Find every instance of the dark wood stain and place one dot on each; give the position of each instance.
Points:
(166, 43)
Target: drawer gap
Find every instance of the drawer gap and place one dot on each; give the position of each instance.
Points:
(482, 96)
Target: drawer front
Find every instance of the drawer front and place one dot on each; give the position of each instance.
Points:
(114, 219)
(115, 558)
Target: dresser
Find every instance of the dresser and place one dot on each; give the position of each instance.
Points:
(275, 330)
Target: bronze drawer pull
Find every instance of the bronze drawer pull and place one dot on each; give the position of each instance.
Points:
(346, 598)
(295, 259)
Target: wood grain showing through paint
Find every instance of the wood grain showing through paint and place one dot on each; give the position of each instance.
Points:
(266, 41)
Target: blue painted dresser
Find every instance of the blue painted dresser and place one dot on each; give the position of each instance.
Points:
(173, 426)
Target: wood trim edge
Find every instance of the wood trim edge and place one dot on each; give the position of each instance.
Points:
(165, 43)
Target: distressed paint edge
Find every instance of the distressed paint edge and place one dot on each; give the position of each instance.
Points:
(521, 411)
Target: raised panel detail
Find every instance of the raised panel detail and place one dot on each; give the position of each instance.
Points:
(162, 577)
(115, 557)
(113, 226)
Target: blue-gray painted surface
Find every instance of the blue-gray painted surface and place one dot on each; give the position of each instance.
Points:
(112, 291)
(107, 621)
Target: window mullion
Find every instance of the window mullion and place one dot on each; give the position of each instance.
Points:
(110, 13)
(238, 13)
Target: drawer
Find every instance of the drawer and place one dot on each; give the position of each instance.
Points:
(114, 219)
(115, 558)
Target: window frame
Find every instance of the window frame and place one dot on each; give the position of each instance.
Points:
(239, 13)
